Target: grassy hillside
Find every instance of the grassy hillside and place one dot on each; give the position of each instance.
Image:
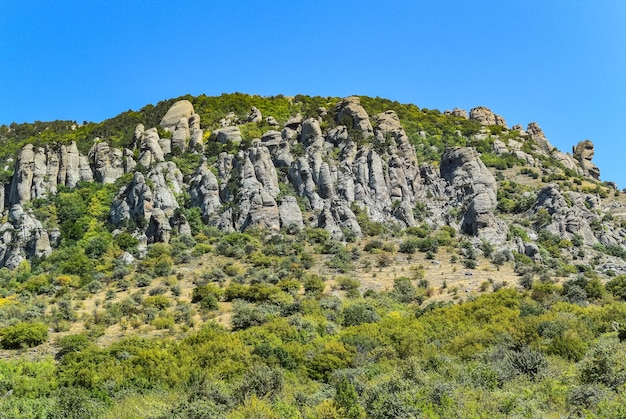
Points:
(399, 323)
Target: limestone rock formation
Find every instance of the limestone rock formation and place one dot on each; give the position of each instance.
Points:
(485, 116)
(106, 162)
(350, 111)
(536, 134)
(204, 192)
(567, 219)
(179, 110)
(150, 151)
(254, 115)
(583, 152)
(476, 188)
(228, 134)
(22, 237)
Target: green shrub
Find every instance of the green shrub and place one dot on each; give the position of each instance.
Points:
(23, 335)
(358, 313)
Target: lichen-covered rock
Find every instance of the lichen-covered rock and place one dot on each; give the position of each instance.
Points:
(106, 162)
(484, 116)
(159, 228)
(255, 115)
(180, 138)
(350, 111)
(204, 192)
(583, 152)
(150, 151)
(228, 134)
(473, 186)
(290, 213)
(180, 109)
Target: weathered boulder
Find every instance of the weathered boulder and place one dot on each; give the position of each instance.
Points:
(290, 213)
(583, 152)
(204, 192)
(272, 122)
(159, 228)
(180, 138)
(180, 109)
(106, 162)
(461, 113)
(294, 122)
(474, 188)
(536, 134)
(485, 116)
(351, 113)
(151, 151)
(228, 134)
(23, 176)
(254, 115)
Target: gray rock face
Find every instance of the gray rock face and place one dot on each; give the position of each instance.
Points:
(39, 171)
(583, 152)
(566, 221)
(151, 151)
(272, 122)
(485, 116)
(474, 187)
(228, 134)
(150, 206)
(106, 163)
(159, 228)
(290, 213)
(536, 134)
(180, 138)
(22, 237)
(133, 202)
(196, 140)
(23, 176)
(351, 111)
(255, 115)
(461, 113)
(180, 109)
(204, 192)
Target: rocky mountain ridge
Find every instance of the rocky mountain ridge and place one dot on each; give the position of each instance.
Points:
(310, 174)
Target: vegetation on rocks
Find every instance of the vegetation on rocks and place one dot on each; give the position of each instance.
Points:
(345, 258)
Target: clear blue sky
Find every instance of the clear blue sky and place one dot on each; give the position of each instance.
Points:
(561, 63)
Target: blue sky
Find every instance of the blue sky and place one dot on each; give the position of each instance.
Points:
(561, 63)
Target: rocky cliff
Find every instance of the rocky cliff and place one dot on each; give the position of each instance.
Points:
(304, 173)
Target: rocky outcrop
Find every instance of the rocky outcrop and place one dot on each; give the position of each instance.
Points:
(583, 152)
(22, 237)
(255, 115)
(290, 213)
(303, 176)
(485, 116)
(536, 134)
(473, 186)
(179, 110)
(204, 193)
(107, 163)
(351, 113)
(228, 134)
(39, 171)
(567, 219)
